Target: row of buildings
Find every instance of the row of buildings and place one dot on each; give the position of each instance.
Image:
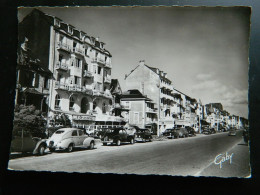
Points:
(64, 71)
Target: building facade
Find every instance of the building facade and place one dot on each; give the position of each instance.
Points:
(80, 66)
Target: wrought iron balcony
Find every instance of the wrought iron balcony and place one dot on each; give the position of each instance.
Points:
(61, 66)
(87, 73)
(64, 47)
(77, 50)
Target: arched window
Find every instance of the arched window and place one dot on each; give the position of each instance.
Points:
(57, 102)
(104, 108)
(84, 105)
(71, 103)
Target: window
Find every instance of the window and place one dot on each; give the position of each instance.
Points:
(76, 80)
(70, 30)
(74, 45)
(57, 102)
(71, 103)
(104, 108)
(81, 132)
(86, 67)
(57, 22)
(46, 83)
(94, 105)
(60, 57)
(78, 62)
(96, 54)
(86, 51)
(95, 69)
(74, 133)
(99, 70)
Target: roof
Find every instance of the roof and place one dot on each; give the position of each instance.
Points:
(64, 28)
(134, 93)
(113, 85)
(155, 71)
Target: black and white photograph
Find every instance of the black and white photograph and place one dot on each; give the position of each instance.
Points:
(132, 90)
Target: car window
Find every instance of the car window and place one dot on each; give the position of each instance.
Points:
(74, 133)
(81, 132)
(59, 132)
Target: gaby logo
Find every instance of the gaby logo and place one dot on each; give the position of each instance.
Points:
(221, 158)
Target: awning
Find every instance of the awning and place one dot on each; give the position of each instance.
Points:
(32, 90)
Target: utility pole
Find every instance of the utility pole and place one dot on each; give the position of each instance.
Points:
(158, 125)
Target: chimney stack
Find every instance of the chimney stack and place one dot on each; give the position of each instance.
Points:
(141, 62)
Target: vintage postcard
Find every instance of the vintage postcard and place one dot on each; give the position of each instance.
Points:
(135, 90)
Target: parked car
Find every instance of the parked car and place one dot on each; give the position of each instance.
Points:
(116, 136)
(206, 129)
(143, 135)
(171, 133)
(23, 141)
(213, 130)
(232, 132)
(191, 131)
(68, 139)
(183, 132)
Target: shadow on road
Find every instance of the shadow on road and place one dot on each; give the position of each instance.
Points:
(243, 144)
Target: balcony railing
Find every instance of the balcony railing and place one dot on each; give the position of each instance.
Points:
(64, 46)
(87, 73)
(61, 66)
(78, 51)
(150, 110)
(102, 61)
(107, 79)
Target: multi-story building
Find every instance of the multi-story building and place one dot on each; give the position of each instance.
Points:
(154, 84)
(32, 77)
(81, 68)
(142, 111)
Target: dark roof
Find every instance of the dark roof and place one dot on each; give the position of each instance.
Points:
(134, 93)
(177, 95)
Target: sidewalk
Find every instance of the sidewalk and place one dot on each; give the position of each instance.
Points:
(239, 167)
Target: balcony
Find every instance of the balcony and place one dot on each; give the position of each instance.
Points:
(87, 74)
(61, 66)
(60, 85)
(64, 47)
(77, 50)
(107, 79)
(87, 90)
(75, 88)
(102, 62)
(151, 110)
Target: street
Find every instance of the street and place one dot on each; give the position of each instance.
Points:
(193, 156)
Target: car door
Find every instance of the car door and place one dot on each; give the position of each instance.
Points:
(123, 135)
(28, 142)
(82, 137)
(75, 137)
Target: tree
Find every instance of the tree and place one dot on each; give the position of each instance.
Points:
(29, 119)
(59, 121)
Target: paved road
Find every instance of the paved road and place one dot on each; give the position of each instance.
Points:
(187, 156)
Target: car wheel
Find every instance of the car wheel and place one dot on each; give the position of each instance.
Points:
(91, 147)
(118, 142)
(52, 149)
(104, 144)
(70, 148)
(41, 149)
(132, 141)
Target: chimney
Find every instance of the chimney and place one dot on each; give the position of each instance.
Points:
(141, 62)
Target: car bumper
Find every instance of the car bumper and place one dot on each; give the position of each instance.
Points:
(139, 139)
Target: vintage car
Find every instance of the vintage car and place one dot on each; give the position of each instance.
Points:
(191, 131)
(143, 135)
(70, 138)
(171, 133)
(118, 135)
(232, 132)
(206, 129)
(23, 141)
(183, 132)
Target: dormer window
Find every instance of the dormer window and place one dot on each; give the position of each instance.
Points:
(70, 30)
(57, 22)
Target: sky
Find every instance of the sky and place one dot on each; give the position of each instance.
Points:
(203, 50)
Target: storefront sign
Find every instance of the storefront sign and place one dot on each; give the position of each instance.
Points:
(83, 117)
